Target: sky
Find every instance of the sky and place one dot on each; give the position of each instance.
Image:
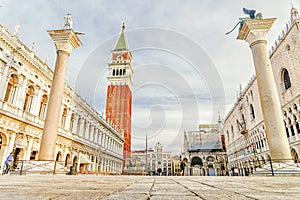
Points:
(186, 70)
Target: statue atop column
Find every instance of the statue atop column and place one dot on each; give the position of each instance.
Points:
(68, 22)
(252, 16)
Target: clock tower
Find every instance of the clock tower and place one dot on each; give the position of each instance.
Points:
(119, 90)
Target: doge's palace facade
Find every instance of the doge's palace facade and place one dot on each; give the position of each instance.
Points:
(244, 127)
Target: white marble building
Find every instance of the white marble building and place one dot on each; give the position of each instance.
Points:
(85, 139)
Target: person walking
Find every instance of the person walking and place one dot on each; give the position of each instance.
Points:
(182, 166)
(8, 163)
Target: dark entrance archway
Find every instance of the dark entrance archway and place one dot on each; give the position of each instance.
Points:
(196, 161)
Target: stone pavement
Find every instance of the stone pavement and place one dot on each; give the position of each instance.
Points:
(48, 187)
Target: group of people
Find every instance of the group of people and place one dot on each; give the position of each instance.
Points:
(8, 162)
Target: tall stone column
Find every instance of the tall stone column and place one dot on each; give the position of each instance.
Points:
(65, 41)
(255, 33)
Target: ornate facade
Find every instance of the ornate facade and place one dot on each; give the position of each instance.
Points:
(244, 127)
(85, 139)
(157, 162)
(204, 152)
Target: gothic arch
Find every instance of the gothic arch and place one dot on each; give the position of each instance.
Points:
(285, 79)
(295, 155)
(252, 113)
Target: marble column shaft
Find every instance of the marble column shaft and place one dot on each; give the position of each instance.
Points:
(255, 33)
(65, 41)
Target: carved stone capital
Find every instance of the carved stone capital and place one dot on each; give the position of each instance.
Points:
(255, 30)
(65, 40)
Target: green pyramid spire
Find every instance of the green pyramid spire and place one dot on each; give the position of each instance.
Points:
(122, 42)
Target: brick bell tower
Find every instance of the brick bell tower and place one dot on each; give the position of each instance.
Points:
(119, 94)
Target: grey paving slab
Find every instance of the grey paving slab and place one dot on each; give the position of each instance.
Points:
(137, 187)
(174, 197)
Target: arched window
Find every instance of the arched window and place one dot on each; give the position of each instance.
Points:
(243, 122)
(291, 126)
(71, 123)
(238, 125)
(28, 98)
(296, 124)
(117, 72)
(78, 125)
(124, 71)
(114, 72)
(227, 134)
(252, 114)
(63, 118)
(85, 129)
(232, 132)
(286, 79)
(11, 89)
(286, 130)
(43, 106)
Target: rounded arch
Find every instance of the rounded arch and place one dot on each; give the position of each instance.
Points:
(11, 88)
(29, 98)
(13, 77)
(196, 161)
(58, 156)
(67, 160)
(75, 160)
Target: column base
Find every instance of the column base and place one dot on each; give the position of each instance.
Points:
(278, 169)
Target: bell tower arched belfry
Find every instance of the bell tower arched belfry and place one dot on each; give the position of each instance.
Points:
(119, 90)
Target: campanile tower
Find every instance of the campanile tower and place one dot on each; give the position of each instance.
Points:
(119, 94)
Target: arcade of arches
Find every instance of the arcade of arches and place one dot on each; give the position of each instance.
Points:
(85, 139)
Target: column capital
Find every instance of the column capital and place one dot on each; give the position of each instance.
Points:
(65, 40)
(255, 30)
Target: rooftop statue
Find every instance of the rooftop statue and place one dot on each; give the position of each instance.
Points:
(68, 22)
(252, 16)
